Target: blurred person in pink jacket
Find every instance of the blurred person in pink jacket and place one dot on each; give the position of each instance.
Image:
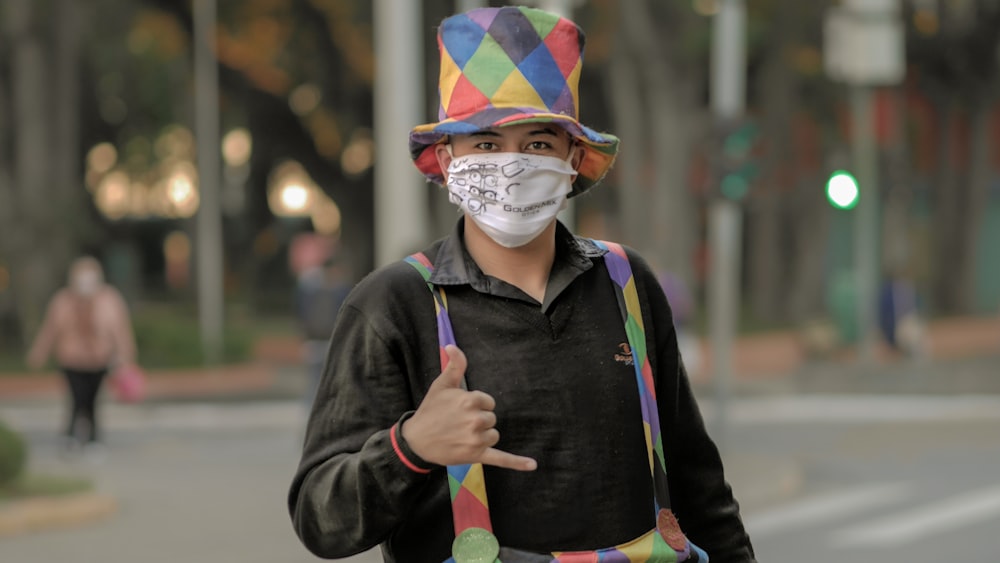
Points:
(88, 330)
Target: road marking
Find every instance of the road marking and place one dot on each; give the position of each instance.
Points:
(825, 507)
(923, 521)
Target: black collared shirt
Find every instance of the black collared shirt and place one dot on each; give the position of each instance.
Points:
(566, 396)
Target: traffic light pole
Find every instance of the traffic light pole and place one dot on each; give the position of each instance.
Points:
(728, 92)
(866, 235)
(864, 46)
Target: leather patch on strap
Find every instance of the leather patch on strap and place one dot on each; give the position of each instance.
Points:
(666, 524)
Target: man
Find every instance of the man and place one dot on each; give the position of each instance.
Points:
(516, 378)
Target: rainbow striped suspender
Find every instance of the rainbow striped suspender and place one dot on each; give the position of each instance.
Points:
(470, 507)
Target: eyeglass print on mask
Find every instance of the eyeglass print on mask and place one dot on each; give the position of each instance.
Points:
(511, 196)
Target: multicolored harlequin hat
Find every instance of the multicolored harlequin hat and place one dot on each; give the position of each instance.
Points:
(505, 66)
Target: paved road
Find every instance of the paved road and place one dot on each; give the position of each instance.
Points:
(888, 479)
(195, 484)
(874, 478)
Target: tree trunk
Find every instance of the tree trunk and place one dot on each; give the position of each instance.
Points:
(669, 102)
(947, 222)
(765, 217)
(33, 230)
(897, 253)
(976, 202)
(8, 338)
(810, 217)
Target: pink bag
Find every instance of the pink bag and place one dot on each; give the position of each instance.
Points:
(128, 383)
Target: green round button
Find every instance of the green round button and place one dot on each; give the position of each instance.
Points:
(475, 545)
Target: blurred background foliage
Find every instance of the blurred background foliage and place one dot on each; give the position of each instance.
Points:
(96, 152)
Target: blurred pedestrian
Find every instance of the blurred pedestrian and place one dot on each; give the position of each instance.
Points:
(88, 329)
(899, 315)
(320, 291)
(683, 307)
(540, 371)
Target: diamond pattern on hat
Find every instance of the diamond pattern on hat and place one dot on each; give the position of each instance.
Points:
(516, 91)
(543, 26)
(543, 73)
(562, 33)
(515, 34)
(572, 83)
(450, 75)
(488, 67)
(466, 98)
(484, 18)
(480, 51)
(463, 38)
(565, 103)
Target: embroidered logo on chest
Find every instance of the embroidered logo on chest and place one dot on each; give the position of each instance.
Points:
(624, 354)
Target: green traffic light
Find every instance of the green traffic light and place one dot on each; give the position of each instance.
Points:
(842, 190)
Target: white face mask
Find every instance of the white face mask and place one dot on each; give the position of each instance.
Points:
(86, 282)
(512, 197)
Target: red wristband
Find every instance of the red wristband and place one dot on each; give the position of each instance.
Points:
(399, 452)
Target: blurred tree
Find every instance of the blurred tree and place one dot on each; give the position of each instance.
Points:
(40, 217)
(786, 215)
(656, 82)
(298, 74)
(954, 52)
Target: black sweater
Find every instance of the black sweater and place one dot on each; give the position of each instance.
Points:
(566, 396)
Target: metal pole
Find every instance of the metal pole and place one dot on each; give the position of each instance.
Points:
(401, 207)
(725, 218)
(725, 224)
(211, 307)
(463, 6)
(866, 221)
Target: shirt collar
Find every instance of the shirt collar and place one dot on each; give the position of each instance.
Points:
(453, 264)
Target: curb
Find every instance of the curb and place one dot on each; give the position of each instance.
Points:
(44, 513)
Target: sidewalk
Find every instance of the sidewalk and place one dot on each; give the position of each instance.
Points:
(782, 355)
(760, 360)
(262, 376)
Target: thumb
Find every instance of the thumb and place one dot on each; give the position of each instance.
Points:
(453, 374)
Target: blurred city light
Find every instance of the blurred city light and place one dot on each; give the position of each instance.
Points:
(102, 157)
(325, 215)
(294, 198)
(290, 191)
(174, 142)
(112, 197)
(359, 155)
(181, 191)
(304, 99)
(236, 147)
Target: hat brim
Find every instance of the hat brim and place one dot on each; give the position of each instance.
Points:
(600, 149)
